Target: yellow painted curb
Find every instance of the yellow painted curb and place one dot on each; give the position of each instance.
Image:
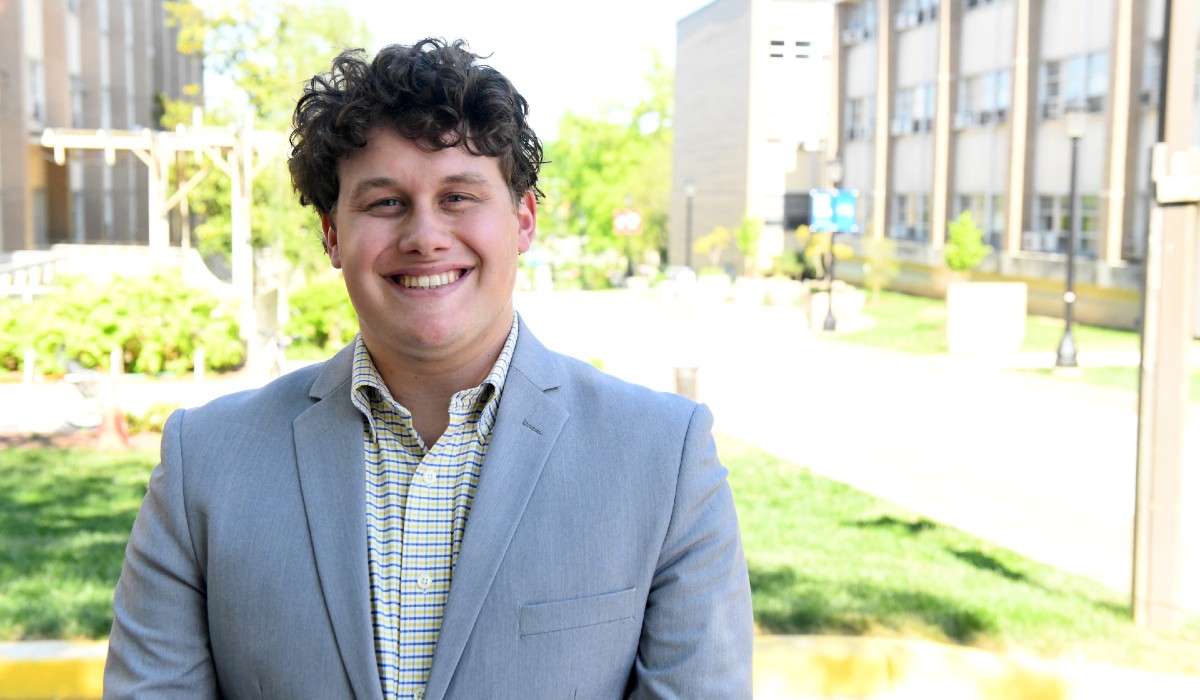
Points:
(793, 668)
(785, 668)
(49, 670)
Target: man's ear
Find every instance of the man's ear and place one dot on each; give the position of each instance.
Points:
(526, 221)
(331, 240)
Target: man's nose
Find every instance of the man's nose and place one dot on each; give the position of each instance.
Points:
(425, 231)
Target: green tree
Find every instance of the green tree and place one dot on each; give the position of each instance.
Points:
(620, 159)
(713, 245)
(965, 248)
(879, 264)
(748, 236)
(259, 53)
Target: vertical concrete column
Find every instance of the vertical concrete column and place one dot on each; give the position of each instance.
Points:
(837, 61)
(949, 30)
(884, 93)
(1129, 37)
(1024, 106)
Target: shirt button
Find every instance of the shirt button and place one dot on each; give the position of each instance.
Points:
(424, 581)
(429, 477)
(419, 695)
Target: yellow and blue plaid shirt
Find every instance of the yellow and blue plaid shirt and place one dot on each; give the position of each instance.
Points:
(418, 501)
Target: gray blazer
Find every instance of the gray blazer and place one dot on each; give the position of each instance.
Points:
(601, 560)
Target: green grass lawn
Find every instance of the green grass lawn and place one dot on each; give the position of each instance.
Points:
(824, 559)
(918, 325)
(65, 516)
(827, 559)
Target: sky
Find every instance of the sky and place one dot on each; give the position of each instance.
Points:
(561, 55)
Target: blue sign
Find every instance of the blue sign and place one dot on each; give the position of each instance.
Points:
(834, 211)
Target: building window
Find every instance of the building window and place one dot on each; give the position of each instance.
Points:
(1079, 81)
(1089, 225)
(984, 99)
(78, 219)
(914, 110)
(1097, 81)
(76, 101)
(987, 211)
(914, 13)
(860, 115)
(37, 91)
(1053, 218)
(910, 218)
(860, 23)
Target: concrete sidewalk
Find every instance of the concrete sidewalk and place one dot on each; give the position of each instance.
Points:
(1041, 466)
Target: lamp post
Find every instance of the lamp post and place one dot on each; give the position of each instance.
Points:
(689, 191)
(834, 170)
(1076, 122)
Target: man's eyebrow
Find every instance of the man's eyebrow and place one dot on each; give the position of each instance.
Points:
(466, 177)
(370, 183)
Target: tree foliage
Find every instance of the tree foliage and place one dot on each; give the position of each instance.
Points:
(748, 237)
(713, 244)
(619, 159)
(879, 263)
(965, 248)
(258, 54)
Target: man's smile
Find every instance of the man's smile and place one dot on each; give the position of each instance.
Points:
(427, 281)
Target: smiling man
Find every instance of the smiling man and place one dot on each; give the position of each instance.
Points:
(445, 508)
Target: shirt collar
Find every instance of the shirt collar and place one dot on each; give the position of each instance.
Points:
(367, 386)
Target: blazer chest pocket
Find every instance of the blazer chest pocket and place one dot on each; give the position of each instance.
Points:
(541, 618)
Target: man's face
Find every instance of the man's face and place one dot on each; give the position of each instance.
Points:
(428, 245)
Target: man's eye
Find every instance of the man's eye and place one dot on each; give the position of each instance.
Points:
(388, 202)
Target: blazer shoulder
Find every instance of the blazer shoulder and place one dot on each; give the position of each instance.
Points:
(275, 403)
(600, 393)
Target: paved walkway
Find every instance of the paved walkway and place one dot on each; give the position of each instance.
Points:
(1035, 464)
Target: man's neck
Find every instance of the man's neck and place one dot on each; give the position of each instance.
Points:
(425, 387)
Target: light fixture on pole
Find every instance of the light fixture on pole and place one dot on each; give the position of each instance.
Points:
(833, 169)
(689, 191)
(1076, 123)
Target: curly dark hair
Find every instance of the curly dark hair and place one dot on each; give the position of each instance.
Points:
(433, 92)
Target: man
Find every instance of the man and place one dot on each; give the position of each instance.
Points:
(445, 508)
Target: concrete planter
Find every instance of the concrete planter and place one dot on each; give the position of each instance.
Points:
(848, 305)
(985, 317)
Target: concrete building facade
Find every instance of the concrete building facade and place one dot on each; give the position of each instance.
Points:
(86, 64)
(752, 87)
(964, 105)
(939, 107)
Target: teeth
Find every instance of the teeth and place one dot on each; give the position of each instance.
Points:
(427, 281)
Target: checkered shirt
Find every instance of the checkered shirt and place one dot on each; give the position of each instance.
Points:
(418, 502)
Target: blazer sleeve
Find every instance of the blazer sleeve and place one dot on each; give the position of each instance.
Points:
(159, 645)
(698, 633)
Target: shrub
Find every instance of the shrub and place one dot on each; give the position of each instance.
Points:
(152, 420)
(156, 321)
(965, 248)
(322, 318)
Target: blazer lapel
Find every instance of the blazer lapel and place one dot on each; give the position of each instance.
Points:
(526, 429)
(329, 458)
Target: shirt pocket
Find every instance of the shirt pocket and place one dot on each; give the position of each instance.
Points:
(541, 618)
